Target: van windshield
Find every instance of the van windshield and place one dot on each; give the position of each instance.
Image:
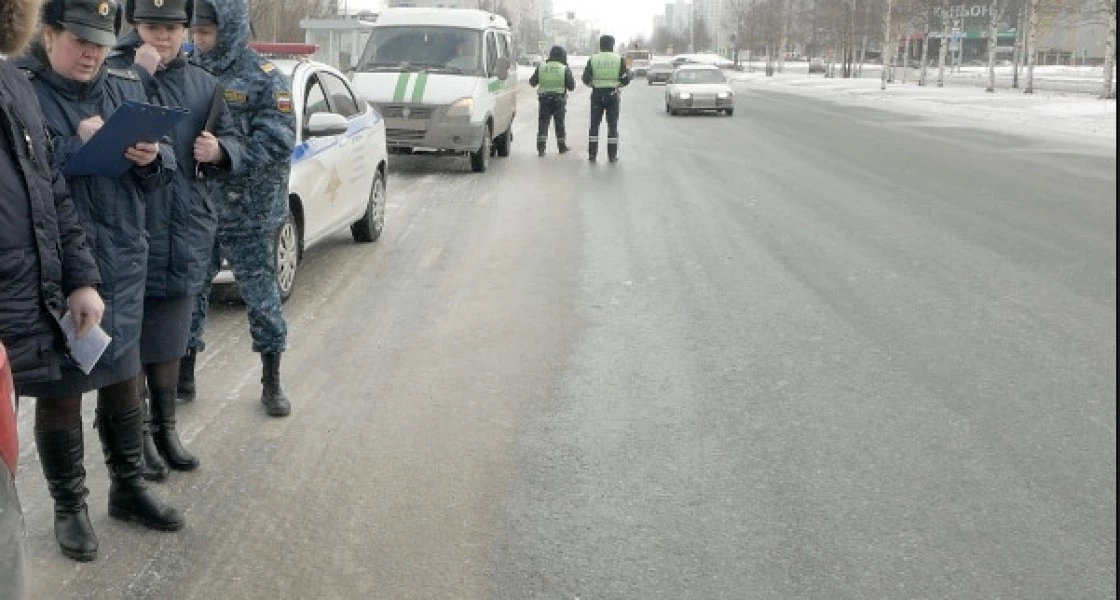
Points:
(419, 48)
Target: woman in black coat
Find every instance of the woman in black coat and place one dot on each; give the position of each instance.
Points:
(77, 93)
(182, 222)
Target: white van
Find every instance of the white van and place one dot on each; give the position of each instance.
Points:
(443, 79)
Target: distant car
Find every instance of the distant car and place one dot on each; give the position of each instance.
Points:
(339, 163)
(13, 532)
(640, 68)
(699, 88)
(659, 72)
(534, 60)
(816, 65)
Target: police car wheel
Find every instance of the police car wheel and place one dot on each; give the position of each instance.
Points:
(368, 228)
(480, 159)
(505, 142)
(286, 249)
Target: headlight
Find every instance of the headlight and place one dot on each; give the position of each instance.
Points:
(461, 109)
(684, 95)
(723, 95)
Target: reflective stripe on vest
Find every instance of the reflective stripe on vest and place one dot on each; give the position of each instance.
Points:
(604, 70)
(551, 78)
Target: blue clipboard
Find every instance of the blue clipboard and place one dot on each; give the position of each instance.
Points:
(103, 154)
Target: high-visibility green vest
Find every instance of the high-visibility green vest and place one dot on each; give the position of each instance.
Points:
(604, 70)
(551, 78)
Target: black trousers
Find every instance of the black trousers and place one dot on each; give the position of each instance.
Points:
(604, 101)
(552, 107)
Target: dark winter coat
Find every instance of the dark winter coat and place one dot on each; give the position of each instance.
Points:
(182, 218)
(111, 208)
(43, 251)
(260, 100)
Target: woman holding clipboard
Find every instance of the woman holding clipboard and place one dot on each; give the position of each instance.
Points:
(183, 222)
(77, 93)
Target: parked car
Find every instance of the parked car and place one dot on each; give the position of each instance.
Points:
(640, 68)
(13, 533)
(338, 177)
(659, 72)
(699, 88)
(816, 65)
(444, 80)
(535, 60)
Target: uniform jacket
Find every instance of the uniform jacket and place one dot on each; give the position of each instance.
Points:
(623, 75)
(260, 100)
(182, 218)
(557, 55)
(44, 254)
(111, 210)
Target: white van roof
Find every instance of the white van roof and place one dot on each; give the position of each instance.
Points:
(466, 18)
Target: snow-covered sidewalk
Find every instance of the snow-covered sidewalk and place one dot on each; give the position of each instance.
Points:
(1053, 115)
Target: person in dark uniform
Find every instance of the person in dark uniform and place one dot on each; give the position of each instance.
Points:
(46, 268)
(77, 92)
(605, 73)
(181, 222)
(553, 81)
(251, 208)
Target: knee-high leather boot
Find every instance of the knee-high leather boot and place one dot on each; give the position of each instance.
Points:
(61, 454)
(186, 389)
(155, 469)
(165, 434)
(129, 497)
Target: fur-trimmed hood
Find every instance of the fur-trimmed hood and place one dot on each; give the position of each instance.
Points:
(18, 21)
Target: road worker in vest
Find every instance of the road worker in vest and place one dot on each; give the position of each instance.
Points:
(606, 73)
(553, 81)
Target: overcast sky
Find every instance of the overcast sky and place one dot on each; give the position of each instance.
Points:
(620, 18)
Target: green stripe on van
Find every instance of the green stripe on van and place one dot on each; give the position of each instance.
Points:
(418, 90)
(496, 85)
(402, 85)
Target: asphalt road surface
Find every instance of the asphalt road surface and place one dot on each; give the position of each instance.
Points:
(809, 351)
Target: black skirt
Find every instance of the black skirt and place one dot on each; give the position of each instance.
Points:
(166, 329)
(75, 383)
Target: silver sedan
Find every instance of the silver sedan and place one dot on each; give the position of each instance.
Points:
(695, 88)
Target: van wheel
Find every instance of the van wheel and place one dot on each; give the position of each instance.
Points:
(286, 250)
(368, 228)
(504, 143)
(480, 159)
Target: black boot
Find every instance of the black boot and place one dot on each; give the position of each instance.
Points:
(154, 467)
(185, 389)
(564, 149)
(61, 453)
(165, 434)
(129, 497)
(541, 147)
(592, 150)
(275, 401)
(612, 152)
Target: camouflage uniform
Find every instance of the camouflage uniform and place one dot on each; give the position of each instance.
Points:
(251, 208)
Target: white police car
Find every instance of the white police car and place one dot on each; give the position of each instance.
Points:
(338, 177)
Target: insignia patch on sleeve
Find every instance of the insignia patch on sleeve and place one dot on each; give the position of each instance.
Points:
(267, 67)
(284, 102)
(236, 96)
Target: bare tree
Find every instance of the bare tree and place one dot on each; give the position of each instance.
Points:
(943, 47)
(278, 20)
(888, 42)
(993, 41)
(1108, 9)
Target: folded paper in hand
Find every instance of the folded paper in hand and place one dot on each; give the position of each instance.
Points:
(86, 350)
(103, 154)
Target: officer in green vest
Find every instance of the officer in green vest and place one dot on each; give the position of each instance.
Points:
(553, 81)
(606, 73)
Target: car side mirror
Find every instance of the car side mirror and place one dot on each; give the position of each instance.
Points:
(326, 124)
(501, 68)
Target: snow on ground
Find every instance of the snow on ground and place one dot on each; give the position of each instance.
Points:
(1055, 115)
